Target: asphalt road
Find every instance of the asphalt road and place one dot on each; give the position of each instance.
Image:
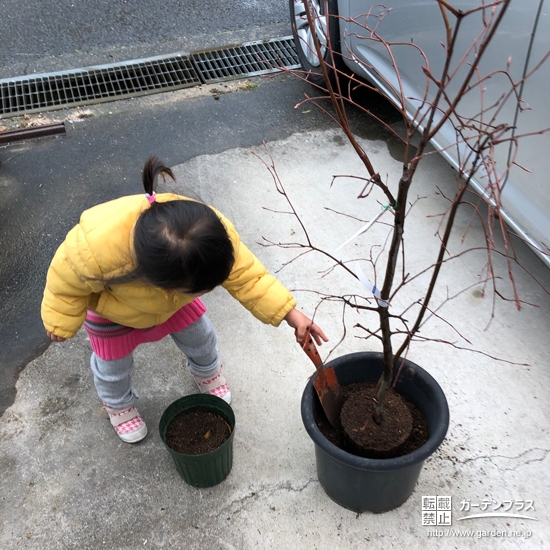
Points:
(45, 35)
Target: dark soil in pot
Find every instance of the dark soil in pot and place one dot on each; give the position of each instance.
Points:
(197, 432)
(402, 431)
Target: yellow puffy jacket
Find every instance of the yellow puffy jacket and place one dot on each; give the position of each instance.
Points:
(100, 248)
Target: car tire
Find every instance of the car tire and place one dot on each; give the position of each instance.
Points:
(303, 39)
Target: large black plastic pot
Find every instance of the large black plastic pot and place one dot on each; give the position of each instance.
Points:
(368, 484)
(207, 469)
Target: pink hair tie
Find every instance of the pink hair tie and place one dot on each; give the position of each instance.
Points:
(150, 198)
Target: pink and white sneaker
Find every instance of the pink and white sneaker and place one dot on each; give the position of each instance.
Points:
(128, 423)
(214, 385)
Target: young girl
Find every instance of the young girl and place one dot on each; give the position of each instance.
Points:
(132, 272)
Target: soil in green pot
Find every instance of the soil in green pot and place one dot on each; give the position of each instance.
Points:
(404, 431)
(197, 432)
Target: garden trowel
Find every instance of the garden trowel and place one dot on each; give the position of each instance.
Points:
(326, 385)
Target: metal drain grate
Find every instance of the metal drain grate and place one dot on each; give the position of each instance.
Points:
(250, 59)
(156, 74)
(86, 86)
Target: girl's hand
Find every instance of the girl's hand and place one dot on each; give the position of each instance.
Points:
(303, 325)
(54, 337)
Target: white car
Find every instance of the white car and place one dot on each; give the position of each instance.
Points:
(522, 40)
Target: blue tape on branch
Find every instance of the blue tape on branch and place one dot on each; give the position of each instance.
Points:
(370, 286)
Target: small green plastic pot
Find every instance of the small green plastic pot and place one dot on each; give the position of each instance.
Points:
(209, 469)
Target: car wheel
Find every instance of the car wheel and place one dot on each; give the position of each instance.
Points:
(326, 28)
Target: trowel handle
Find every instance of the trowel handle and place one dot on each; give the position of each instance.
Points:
(313, 354)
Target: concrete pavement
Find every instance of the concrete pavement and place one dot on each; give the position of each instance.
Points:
(68, 482)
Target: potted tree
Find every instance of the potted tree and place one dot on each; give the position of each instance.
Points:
(354, 471)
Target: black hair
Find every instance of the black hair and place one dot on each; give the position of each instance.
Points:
(179, 244)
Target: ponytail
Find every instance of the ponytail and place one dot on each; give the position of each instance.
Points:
(153, 167)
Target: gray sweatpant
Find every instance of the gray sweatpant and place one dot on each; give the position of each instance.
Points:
(113, 380)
